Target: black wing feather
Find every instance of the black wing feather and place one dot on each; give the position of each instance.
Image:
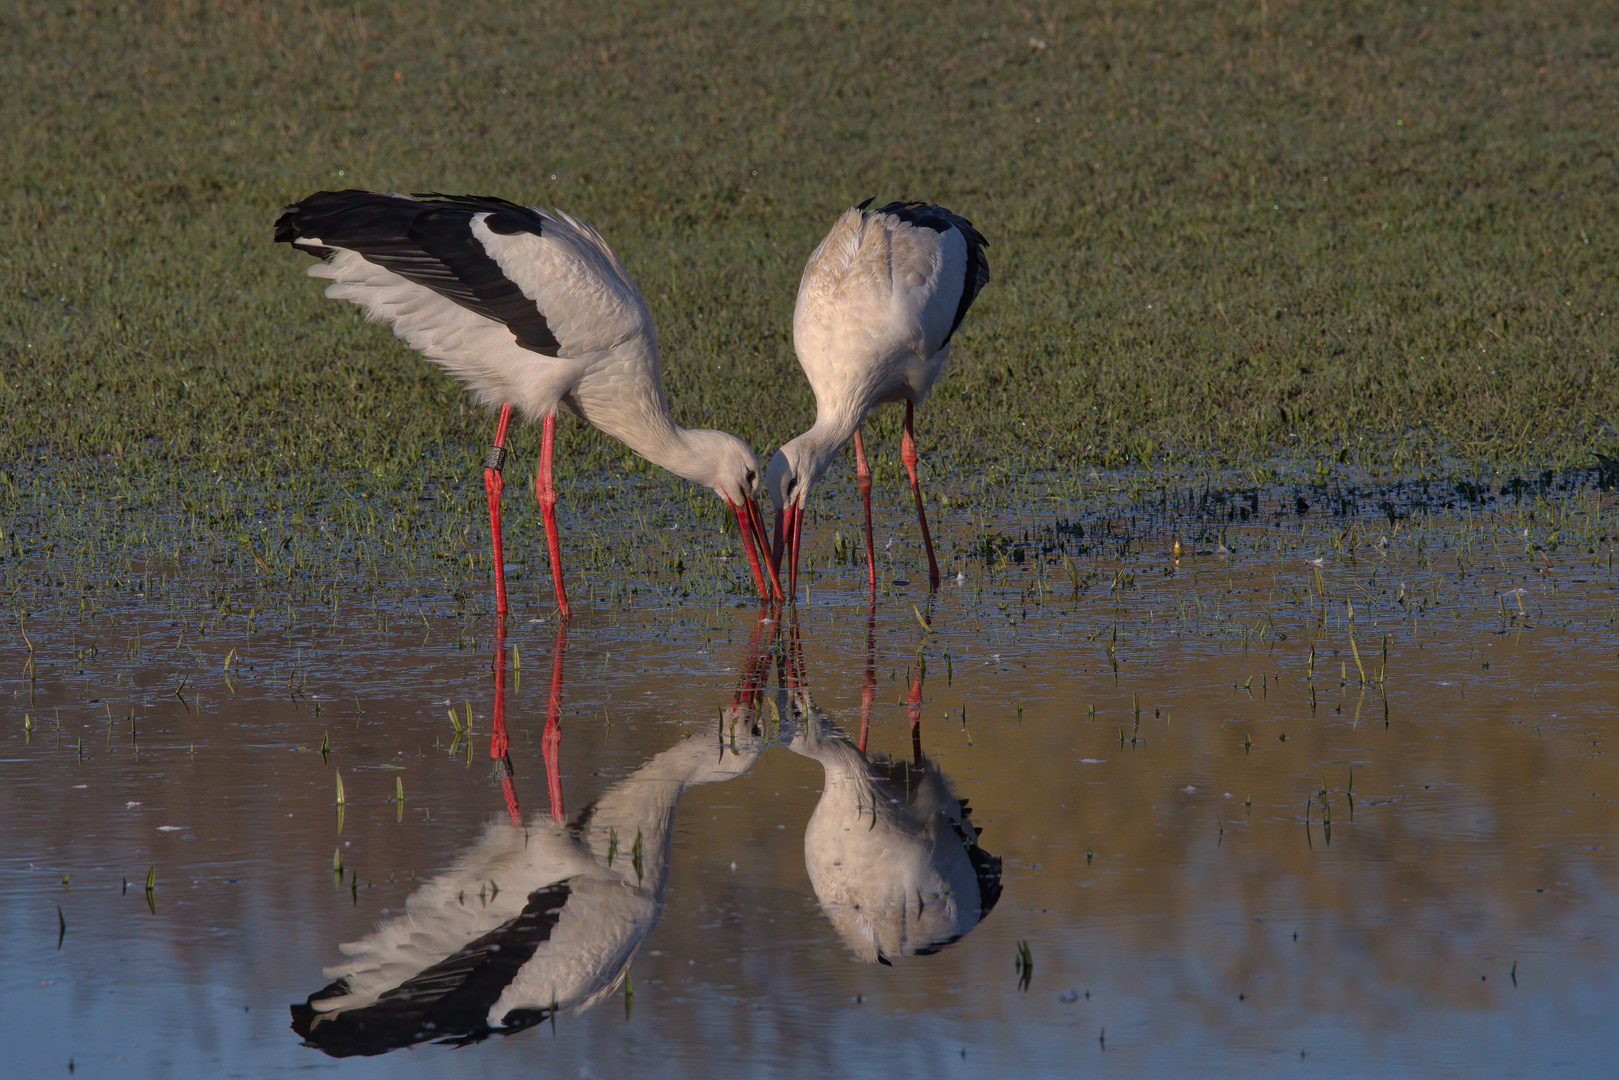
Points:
(428, 240)
(449, 1001)
(937, 218)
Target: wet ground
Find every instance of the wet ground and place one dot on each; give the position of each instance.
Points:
(1247, 782)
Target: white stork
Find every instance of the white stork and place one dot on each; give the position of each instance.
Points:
(879, 301)
(534, 920)
(891, 849)
(529, 308)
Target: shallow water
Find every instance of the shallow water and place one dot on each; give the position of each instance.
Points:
(1238, 830)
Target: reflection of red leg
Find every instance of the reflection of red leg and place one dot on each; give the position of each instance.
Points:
(907, 453)
(499, 744)
(913, 706)
(868, 687)
(862, 473)
(551, 739)
(513, 811)
(492, 485)
(547, 495)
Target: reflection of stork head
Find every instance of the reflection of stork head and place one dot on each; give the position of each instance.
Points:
(893, 853)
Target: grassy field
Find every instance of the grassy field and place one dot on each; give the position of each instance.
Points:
(1376, 233)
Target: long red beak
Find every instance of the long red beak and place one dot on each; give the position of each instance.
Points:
(755, 542)
(789, 526)
(772, 565)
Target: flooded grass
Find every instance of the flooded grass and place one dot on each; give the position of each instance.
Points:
(1271, 771)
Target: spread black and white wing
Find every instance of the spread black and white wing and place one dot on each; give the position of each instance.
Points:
(473, 282)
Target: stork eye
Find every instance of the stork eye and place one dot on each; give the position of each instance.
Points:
(751, 477)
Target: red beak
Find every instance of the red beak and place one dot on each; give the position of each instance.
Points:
(789, 527)
(771, 564)
(798, 531)
(755, 542)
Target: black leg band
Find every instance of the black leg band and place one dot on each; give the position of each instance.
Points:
(496, 458)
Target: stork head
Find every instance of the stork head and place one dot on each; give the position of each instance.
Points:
(793, 469)
(730, 468)
(788, 478)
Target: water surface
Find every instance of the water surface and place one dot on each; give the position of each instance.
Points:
(1326, 793)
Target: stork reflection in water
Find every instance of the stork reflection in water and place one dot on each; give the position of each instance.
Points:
(891, 850)
(537, 919)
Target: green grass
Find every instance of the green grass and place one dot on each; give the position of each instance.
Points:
(1380, 232)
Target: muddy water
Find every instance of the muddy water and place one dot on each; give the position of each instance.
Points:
(1320, 795)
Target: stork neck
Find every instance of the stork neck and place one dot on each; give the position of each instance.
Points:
(642, 808)
(822, 442)
(656, 437)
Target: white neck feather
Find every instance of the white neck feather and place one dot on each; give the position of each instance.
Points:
(815, 448)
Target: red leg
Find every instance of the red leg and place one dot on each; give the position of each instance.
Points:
(907, 453)
(551, 738)
(492, 485)
(547, 495)
(499, 744)
(868, 687)
(862, 472)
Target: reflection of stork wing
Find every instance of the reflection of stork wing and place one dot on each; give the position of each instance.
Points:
(532, 922)
(933, 799)
(450, 1000)
(892, 852)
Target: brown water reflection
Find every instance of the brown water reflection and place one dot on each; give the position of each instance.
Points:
(1153, 748)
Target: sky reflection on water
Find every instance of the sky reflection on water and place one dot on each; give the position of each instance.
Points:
(1155, 769)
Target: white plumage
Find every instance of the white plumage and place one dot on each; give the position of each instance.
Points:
(532, 922)
(530, 308)
(890, 849)
(878, 303)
